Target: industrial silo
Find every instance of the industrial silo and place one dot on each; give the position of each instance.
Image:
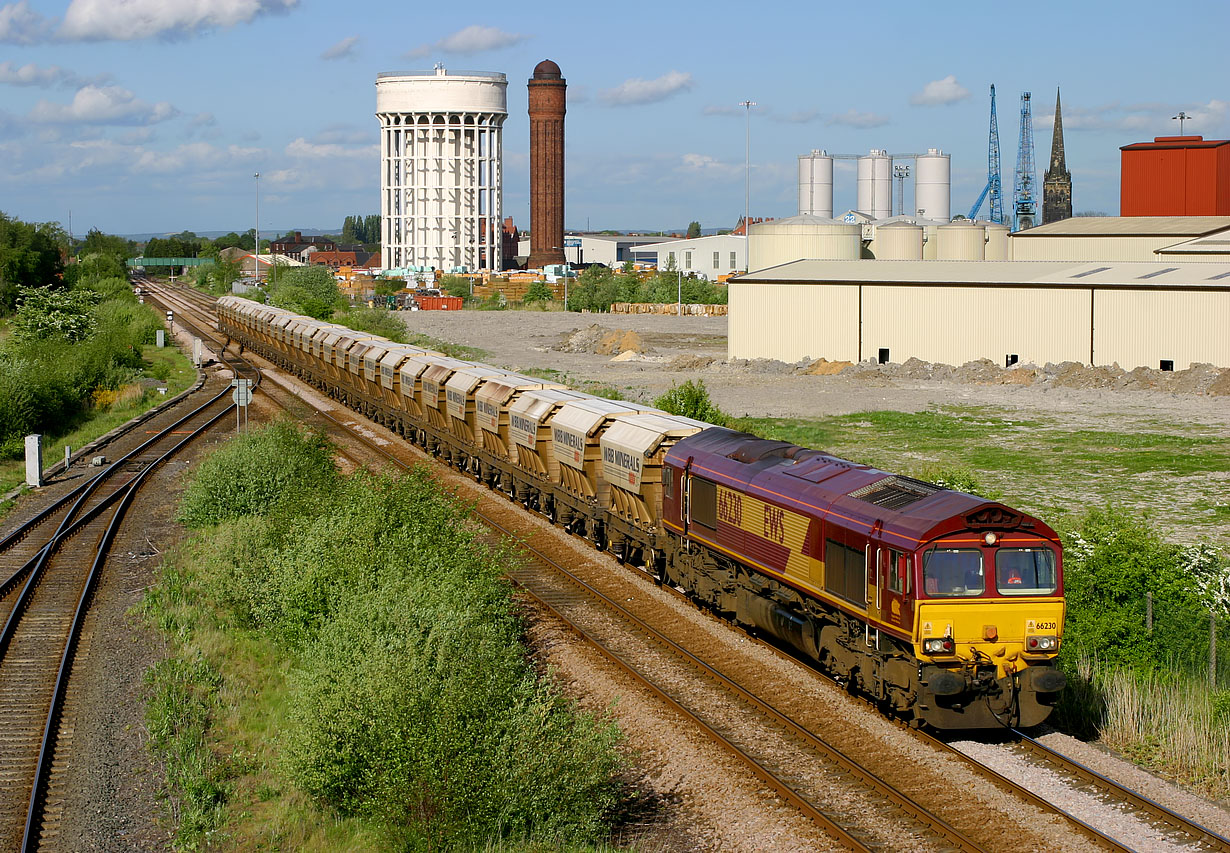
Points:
(780, 241)
(816, 184)
(898, 241)
(933, 185)
(962, 240)
(997, 241)
(875, 184)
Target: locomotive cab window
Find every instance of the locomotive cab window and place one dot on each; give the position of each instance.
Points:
(1025, 571)
(703, 503)
(668, 481)
(953, 572)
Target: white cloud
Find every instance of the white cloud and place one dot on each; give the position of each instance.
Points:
(348, 134)
(854, 118)
(797, 117)
(1144, 119)
(34, 75)
(343, 49)
(102, 105)
(707, 164)
(473, 39)
(639, 91)
(19, 24)
(714, 110)
(129, 20)
(938, 92)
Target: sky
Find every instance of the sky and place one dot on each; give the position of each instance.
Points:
(136, 116)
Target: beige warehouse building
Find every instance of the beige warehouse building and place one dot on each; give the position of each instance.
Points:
(1125, 238)
(1151, 314)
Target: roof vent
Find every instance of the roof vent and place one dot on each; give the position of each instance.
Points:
(1090, 272)
(895, 492)
(1156, 273)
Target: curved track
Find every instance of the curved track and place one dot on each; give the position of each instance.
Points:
(569, 597)
(50, 567)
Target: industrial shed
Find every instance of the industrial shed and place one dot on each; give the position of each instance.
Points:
(1118, 238)
(1130, 314)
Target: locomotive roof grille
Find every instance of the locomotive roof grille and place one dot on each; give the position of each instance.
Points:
(895, 492)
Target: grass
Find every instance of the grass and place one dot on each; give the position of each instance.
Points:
(1038, 464)
(585, 386)
(465, 353)
(167, 364)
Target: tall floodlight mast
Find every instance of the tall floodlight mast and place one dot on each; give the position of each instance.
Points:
(992, 188)
(1024, 199)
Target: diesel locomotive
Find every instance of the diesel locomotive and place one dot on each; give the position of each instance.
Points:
(944, 607)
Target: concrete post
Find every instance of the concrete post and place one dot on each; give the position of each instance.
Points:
(160, 338)
(34, 461)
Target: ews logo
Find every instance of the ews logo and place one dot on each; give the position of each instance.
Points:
(775, 524)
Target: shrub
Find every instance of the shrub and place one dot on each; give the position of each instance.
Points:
(257, 471)
(691, 400)
(538, 291)
(305, 290)
(377, 321)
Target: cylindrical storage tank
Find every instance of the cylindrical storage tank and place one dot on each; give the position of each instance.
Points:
(933, 185)
(875, 184)
(931, 241)
(816, 184)
(997, 242)
(962, 240)
(780, 241)
(899, 241)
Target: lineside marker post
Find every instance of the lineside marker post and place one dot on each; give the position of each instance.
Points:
(34, 460)
(241, 396)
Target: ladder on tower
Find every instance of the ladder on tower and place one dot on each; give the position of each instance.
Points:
(992, 188)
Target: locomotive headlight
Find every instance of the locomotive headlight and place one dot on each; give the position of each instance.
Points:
(940, 646)
(1042, 644)
(989, 539)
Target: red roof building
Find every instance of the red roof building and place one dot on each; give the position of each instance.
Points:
(1175, 176)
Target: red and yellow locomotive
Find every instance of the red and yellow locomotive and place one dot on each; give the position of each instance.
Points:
(944, 606)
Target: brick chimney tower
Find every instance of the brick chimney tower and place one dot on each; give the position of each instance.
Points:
(548, 97)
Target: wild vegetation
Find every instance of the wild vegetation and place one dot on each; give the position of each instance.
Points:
(341, 633)
(77, 349)
(597, 288)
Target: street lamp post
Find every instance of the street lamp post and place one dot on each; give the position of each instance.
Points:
(1181, 117)
(256, 240)
(747, 168)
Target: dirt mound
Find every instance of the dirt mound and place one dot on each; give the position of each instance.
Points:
(1220, 386)
(1019, 376)
(1195, 380)
(601, 341)
(824, 367)
(1073, 375)
(620, 341)
(980, 372)
(690, 362)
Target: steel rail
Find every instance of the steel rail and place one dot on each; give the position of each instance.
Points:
(47, 747)
(1191, 828)
(869, 779)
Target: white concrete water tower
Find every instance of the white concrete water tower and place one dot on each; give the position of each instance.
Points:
(441, 168)
(933, 185)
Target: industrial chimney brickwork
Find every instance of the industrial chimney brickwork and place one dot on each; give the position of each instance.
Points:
(548, 103)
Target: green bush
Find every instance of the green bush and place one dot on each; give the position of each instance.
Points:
(1112, 562)
(376, 321)
(256, 472)
(305, 290)
(691, 400)
(538, 291)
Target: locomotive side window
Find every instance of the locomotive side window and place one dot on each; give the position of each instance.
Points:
(845, 572)
(704, 503)
(668, 481)
(949, 572)
(1025, 571)
(898, 571)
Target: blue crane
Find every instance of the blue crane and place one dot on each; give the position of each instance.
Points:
(993, 184)
(1023, 200)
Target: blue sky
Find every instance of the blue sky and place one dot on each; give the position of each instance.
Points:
(152, 115)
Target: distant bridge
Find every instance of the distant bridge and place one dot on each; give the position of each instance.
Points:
(168, 262)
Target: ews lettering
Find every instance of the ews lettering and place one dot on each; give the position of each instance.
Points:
(775, 524)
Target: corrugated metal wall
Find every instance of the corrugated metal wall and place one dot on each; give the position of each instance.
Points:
(791, 322)
(1175, 181)
(953, 325)
(1141, 327)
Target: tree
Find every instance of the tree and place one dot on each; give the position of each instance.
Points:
(30, 256)
(306, 290)
(693, 230)
(538, 291)
(44, 313)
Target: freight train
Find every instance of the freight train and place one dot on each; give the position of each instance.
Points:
(945, 608)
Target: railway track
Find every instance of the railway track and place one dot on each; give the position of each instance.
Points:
(573, 601)
(50, 567)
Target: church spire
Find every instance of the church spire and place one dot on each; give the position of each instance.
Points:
(1057, 183)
